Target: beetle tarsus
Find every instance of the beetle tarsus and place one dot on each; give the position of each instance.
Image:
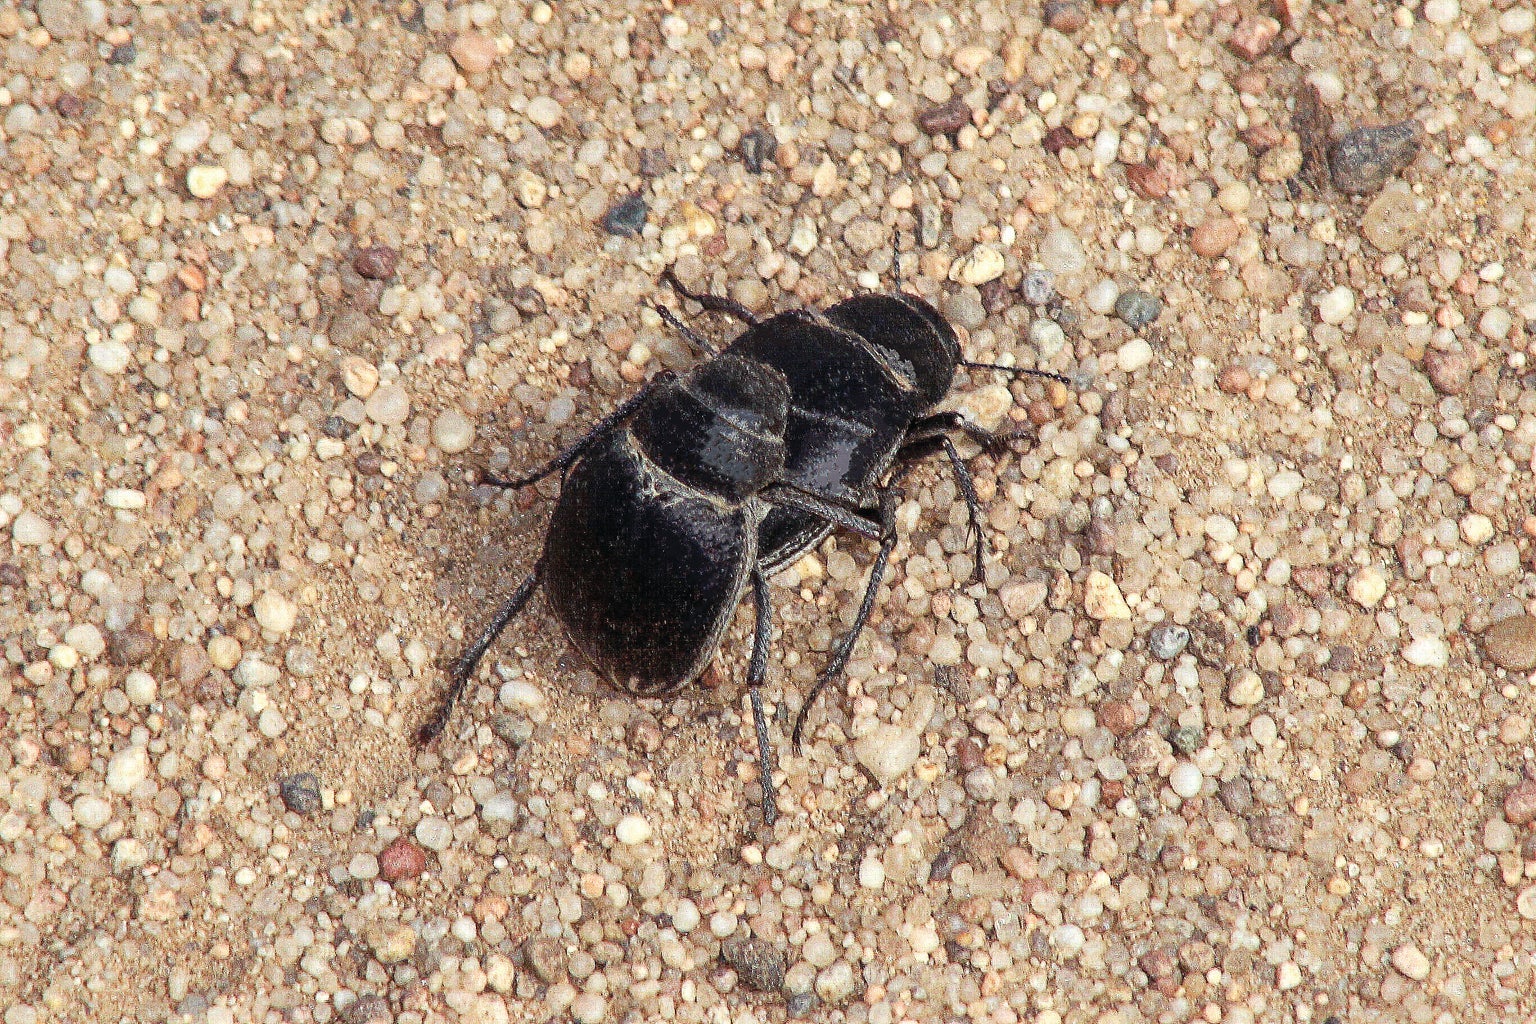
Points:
(464, 667)
(1017, 371)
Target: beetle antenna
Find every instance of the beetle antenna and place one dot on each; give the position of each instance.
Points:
(1017, 371)
(696, 339)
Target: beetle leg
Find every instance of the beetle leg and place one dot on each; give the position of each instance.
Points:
(698, 340)
(890, 498)
(573, 453)
(712, 303)
(845, 516)
(464, 668)
(757, 671)
(941, 442)
(1017, 371)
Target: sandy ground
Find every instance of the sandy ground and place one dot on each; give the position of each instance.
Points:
(1237, 726)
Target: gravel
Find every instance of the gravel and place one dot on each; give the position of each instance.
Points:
(1235, 724)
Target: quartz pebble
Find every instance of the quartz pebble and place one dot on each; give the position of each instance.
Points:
(206, 180)
(633, 830)
(127, 768)
(1410, 960)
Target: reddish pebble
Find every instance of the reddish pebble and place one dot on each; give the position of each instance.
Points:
(1520, 804)
(377, 262)
(472, 52)
(1234, 379)
(1449, 372)
(1117, 716)
(401, 859)
(1214, 236)
(1252, 36)
(1150, 180)
(946, 118)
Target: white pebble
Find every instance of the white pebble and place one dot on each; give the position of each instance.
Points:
(205, 180)
(981, 265)
(1441, 12)
(141, 688)
(452, 432)
(128, 768)
(1102, 599)
(1134, 355)
(871, 873)
(520, 695)
(128, 854)
(1186, 780)
(271, 724)
(91, 812)
(633, 830)
(30, 530)
(434, 833)
(1411, 961)
(109, 356)
(86, 639)
(723, 924)
(125, 498)
(275, 612)
(544, 111)
(1367, 587)
(1525, 903)
(1428, 652)
(685, 918)
(1476, 528)
(888, 751)
(1335, 306)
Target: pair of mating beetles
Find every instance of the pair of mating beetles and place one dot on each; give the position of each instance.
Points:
(703, 485)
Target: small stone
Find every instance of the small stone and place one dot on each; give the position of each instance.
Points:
(627, 216)
(91, 812)
(1253, 35)
(434, 833)
(1442, 12)
(589, 1008)
(632, 830)
(300, 792)
(140, 688)
(452, 432)
(275, 613)
(1186, 780)
(1367, 587)
(1246, 690)
(129, 854)
(758, 963)
(1187, 739)
(888, 751)
(1134, 355)
(545, 112)
(110, 357)
(1138, 308)
(1279, 831)
(945, 118)
(376, 262)
(1214, 236)
(1234, 379)
(1064, 16)
(1511, 643)
(1287, 976)
(473, 52)
(1392, 219)
(1408, 959)
(758, 147)
(1525, 903)
(802, 236)
(1476, 529)
(1102, 599)
(835, 983)
(980, 265)
(1168, 642)
(546, 958)
(1428, 652)
(391, 943)
(125, 499)
(360, 377)
(1038, 286)
(389, 406)
(1336, 305)
(401, 860)
(1363, 160)
(127, 768)
(205, 180)
(1520, 803)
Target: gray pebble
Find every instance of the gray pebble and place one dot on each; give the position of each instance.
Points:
(758, 963)
(1038, 286)
(1364, 159)
(1138, 308)
(627, 216)
(1168, 642)
(300, 792)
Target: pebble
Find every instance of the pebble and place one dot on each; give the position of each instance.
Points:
(389, 406)
(1214, 236)
(633, 830)
(1168, 642)
(129, 854)
(1392, 219)
(110, 357)
(1138, 308)
(1186, 780)
(835, 983)
(1367, 587)
(1362, 160)
(391, 943)
(300, 792)
(758, 963)
(473, 52)
(275, 613)
(1511, 643)
(1520, 803)
(627, 216)
(1525, 903)
(1408, 959)
(945, 118)
(127, 768)
(1102, 598)
(758, 148)
(376, 263)
(1449, 372)
(91, 812)
(1428, 652)
(140, 688)
(981, 265)
(1134, 355)
(547, 959)
(401, 860)
(545, 112)
(589, 1008)
(1037, 287)
(453, 432)
(888, 751)
(205, 181)
(1246, 690)
(434, 833)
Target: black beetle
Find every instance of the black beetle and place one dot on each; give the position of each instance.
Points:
(863, 378)
(654, 538)
(697, 486)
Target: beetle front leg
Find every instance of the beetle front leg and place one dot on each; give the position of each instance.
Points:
(464, 667)
(913, 450)
(757, 671)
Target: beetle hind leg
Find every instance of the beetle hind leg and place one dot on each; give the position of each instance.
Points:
(712, 303)
(464, 667)
(757, 671)
(940, 442)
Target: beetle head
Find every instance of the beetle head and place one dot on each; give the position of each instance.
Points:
(915, 339)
